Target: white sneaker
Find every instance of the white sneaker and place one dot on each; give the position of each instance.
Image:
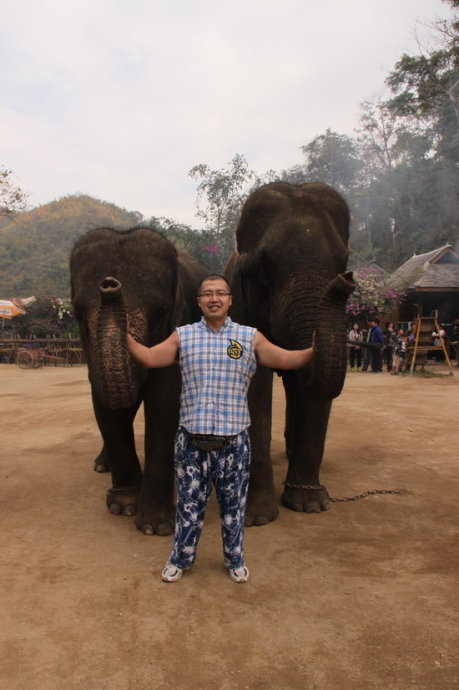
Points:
(171, 573)
(239, 574)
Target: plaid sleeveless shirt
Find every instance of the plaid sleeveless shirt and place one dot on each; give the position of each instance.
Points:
(216, 371)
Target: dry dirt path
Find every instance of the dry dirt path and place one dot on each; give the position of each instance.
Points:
(362, 596)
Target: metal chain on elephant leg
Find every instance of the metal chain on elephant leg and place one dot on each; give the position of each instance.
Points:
(344, 499)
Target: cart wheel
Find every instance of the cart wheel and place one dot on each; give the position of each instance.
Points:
(38, 360)
(25, 359)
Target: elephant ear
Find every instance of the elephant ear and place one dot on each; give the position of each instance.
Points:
(176, 314)
(253, 287)
(325, 197)
(257, 215)
(250, 265)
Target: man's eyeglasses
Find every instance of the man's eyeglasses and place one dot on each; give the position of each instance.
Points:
(210, 293)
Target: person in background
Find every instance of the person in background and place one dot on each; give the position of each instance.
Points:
(399, 352)
(355, 339)
(437, 341)
(366, 337)
(390, 338)
(376, 345)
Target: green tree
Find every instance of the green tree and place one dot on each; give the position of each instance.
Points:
(390, 204)
(334, 159)
(426, 87)
(12, 197)
(425, 108)
(200, 244)
(400, 175)
(377, 138)
(220, 195)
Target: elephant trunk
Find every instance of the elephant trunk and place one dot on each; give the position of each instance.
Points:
(330, 361)
(114, 364)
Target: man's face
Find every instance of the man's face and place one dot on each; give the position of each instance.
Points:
(214, 299)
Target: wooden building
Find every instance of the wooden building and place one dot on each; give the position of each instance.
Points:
(431, 282)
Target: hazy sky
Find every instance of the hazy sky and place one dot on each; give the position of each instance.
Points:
(118, 99)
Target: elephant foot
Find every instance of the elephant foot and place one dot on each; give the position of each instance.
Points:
(261, 508)
(306, 500)
(122, 501)
(156, 519)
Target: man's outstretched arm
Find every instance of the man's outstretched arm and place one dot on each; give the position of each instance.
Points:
(162, 355)
(275, 357)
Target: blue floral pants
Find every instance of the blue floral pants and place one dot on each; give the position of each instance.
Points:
(195, 472)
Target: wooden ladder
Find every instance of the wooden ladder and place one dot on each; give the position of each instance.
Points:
(425, 325)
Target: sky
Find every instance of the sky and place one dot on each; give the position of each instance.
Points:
(119, 99)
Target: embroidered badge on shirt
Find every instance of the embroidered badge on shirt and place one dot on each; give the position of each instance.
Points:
(235, 350)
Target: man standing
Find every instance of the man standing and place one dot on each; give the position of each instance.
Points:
(217, 359)
(376, 345)
(366, 335)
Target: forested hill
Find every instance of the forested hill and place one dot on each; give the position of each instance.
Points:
(35, 245)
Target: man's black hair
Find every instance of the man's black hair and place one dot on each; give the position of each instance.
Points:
(216, 276)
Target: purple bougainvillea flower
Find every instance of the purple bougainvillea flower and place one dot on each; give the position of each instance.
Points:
(212, 248)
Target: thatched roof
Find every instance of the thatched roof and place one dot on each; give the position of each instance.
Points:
(435, 270)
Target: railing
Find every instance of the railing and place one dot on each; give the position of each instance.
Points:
(57, 350)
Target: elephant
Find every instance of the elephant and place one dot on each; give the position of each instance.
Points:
(288, 279)
(133, 280)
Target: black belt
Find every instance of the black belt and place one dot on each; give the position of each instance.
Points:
(209, 442)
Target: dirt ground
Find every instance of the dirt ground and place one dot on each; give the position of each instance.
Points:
(362, 596)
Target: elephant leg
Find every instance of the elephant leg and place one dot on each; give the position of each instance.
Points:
(156, 511)
(120, 456)
(306, 427)
(261, 501)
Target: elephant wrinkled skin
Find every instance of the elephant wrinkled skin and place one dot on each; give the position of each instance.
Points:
(133, 280)
(288, 280)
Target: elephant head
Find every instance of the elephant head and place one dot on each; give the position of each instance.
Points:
(291, 273)
(122, 281)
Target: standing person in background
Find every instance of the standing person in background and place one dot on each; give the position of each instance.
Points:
(437, 341)
(355, 339)
(376, 345)
(217, 360)
(366, 337)
(399, 352)
(390, 340)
